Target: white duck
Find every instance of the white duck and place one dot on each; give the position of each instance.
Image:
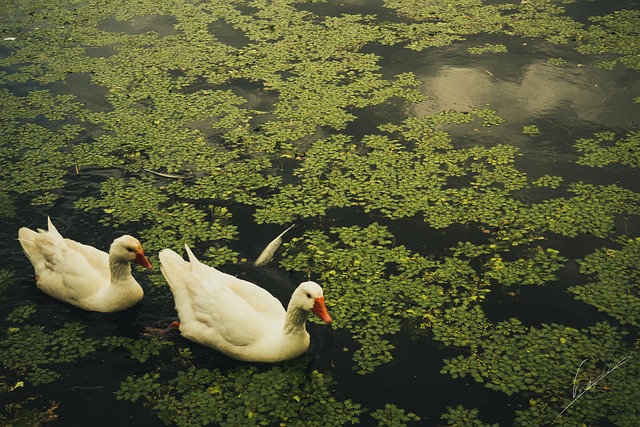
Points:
(83, 275)
(237, 317)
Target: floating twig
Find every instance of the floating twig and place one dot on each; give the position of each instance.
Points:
(164, 175)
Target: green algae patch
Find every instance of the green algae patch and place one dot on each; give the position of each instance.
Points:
(393, 285)
(487, 48)
(538, 360)
(613, 281)
(31, 352)
(441, 23)
(278, 395)
(125, 201)
(35, 158)
(544, 18)
(560, 62)
(462, 416)
(391, 415)
(615, 34)
(531, 130)
(604, 149)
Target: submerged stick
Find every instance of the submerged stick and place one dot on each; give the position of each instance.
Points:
(164, 175)
(271, 249)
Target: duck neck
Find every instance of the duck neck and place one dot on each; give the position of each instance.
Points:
(120, 270)
(295, 320)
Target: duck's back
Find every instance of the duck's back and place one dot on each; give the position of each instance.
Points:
(65, 269)
(221, 311)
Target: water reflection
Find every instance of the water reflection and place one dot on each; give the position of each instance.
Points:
(537, 90)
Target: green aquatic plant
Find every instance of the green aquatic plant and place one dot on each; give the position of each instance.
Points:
(548, 181)
(616, 34)
(21, 313)
(487, 47)
(316, 70)
(557, 61)
(425, 128)
(141, 349)
(441, 23)
(604, 149)
(398, 286)
(182, 223)
(125, 200)
(7, 205)
(489, 117)
(613, 281)
(34, 159)
(607, 65)
(30, 352)
(392, 416)
(531, 130)
(536, 269)
(461, 416)
(360, 257)
(592, 209)
(7, 279)
(383, 175)
(541, 18)
(284, 395)
(543, 361)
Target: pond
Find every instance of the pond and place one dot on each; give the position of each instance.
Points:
(463, 176)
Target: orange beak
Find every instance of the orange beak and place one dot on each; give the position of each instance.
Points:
(142, 260)
(320, 310)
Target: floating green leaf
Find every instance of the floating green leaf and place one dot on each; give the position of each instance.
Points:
(286, 395)
(487, 47)
(603, 150)
(31, 351)
(614, 283)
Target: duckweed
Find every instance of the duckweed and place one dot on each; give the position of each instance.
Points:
(531, 130)
(614, 34)
(21, 313)
(391, 415)
(613, 283)
(603, 149)
(140, 349)
(487, 47)
(540, 359)
(262, 126)
(277, 395)
(557, 61)
(30, 352)
(462, 416)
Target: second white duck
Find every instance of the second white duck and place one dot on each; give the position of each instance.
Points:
(237, 317)
(82, 275)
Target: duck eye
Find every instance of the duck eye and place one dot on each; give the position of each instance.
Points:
(308, 295)
(130, 250)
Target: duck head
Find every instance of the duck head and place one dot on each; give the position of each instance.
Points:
(128, 248)
(309, 297)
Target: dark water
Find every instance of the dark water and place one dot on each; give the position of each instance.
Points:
(566, 103)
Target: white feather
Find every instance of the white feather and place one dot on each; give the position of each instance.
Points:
(271, 249)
